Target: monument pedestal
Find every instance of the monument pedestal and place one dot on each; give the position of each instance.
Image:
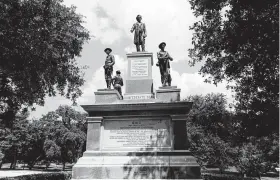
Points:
(137, 165)
(139, 83)
(137, 141)
(107, 96)
(168, 93)
(140, 137)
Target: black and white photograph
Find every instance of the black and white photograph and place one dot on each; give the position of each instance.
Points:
(139, 89)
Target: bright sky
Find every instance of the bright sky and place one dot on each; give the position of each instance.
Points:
(110, 21)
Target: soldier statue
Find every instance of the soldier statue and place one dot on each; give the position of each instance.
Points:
(164, 65)
(108, 67)
(140, 33)
(118, 82)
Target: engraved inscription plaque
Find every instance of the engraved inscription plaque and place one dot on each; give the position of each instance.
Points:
(139, 67)
(136, 134)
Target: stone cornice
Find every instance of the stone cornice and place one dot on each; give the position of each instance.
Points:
(138, 107)
(139, 54)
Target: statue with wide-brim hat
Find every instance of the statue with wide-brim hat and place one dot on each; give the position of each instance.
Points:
(108, 49)
(161, 44)
(108, 67)
(164, 65)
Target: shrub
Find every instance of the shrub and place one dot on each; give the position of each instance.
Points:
(251, 160)
(224, 177)
(43, 176)
(209, 149)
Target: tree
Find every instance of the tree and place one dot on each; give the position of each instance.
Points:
(71, 116)
(52, 152)
(64, 136)
(250, 160)
(72, 147)
(39, 43)
(210, 113)
(209, 149)
(1, 158)
(32, 149)
(210, 130)
(13, 141)
(239, 42)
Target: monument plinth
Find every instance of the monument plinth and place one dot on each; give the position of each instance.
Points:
(106, 96)
(140, 137)
(168, 93)
(139, 81)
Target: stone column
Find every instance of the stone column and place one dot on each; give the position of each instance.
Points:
(93, 133)
(180, 132)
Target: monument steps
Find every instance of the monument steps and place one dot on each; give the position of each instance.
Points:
(138, 153)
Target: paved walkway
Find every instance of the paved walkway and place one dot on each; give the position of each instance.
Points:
(13, 173)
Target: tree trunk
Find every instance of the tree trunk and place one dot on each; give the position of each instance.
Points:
(259, 174)
(13, 163)
(15, 159)
(63, 166)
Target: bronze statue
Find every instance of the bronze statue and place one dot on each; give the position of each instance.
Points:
(140, 33)
(164, 65)
(118, 82)
(108, 67)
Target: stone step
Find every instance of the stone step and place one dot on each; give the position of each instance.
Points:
(138, 153)
(136, 172)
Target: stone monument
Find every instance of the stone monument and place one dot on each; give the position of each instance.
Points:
(142, 136)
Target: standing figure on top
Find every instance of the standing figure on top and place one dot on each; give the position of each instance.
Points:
(118, 82)
(108, 67)
(140, 33)
(164, 65)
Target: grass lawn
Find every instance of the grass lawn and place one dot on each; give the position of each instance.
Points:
(233, 171)
(21, 170)
(6, 172)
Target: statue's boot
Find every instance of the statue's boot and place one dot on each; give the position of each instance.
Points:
(108, 82)
(143, 48)
(137, 48)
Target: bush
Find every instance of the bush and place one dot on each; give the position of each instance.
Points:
(43, 176)
(209, 149)
(251, 160)
(224, 177)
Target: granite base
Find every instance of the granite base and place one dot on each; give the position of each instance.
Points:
(106, 96)
(168, 94)
(137, 165)
(139, 86)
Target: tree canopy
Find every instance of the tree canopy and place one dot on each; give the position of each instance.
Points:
(238, 40)
(46, 140)
(39, 43)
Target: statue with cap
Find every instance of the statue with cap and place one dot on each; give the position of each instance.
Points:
(108, 67)
(164, 65)
(118, 82)
(140, 33)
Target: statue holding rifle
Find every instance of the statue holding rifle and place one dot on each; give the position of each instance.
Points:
(164, 65)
